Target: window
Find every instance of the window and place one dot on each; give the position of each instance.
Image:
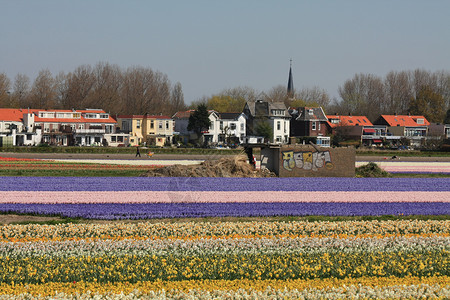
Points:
(46, 127)
(152, 124)
(113, 138)
(232, 126)
(211, 126)
(97, 139)
(313, 125)
(138, 123)
(160, 126)
(167, 124)
(221, 125)
(278, 139)
(120, 139)
(310, 112)
(334, 121)
(420, 121)
(29, 137)
(278, 125)
(318, 126)
(242, 126)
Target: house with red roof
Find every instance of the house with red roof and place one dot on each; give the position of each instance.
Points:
(356, 128)
(86, 127)
(413, 128)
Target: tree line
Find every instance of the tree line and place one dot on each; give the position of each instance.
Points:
(139, 90)
(135, 90)
(415, 92)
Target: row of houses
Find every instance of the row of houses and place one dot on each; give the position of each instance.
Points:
(95, 127)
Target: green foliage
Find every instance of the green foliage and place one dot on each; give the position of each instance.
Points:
(264, 129)
(224, 103)
(371, 170)
(199, 120)
(428, 104)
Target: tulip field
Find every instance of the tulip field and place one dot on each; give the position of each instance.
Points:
(219, 238)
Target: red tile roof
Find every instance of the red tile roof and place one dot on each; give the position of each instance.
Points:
(15, 114)
(348, 121)
(12, 114)
(404, 120)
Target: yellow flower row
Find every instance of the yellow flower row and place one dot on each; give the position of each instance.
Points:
(193, 230)
(49, 289)
(132, 268)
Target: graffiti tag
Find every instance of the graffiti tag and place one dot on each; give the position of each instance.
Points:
(307, 160)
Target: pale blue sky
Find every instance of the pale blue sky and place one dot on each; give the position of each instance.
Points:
(210, 45)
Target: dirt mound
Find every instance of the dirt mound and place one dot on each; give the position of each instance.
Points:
(235, 166)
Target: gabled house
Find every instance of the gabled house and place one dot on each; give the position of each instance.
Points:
(275, 114)
(309, 122)
(413, 128)
(225, 128)
(154, 130)
(356, 128)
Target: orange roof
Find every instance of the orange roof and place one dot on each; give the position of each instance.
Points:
(403, 120)
(15, 114)
(12, 114)
(348, 121)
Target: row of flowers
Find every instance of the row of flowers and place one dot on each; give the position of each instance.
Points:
(222, 184)
(231, 230)
(128, 197)
(139, 211)
(224, 246)
(133, 268)
(349, 288)
(72, 166)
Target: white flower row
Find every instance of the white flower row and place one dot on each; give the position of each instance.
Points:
(226, 246)
(422, 291)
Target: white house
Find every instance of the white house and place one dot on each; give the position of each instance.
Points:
(275, 114)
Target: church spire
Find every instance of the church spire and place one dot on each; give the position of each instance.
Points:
(290, 87)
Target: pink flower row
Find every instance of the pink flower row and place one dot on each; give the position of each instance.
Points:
(51, 197)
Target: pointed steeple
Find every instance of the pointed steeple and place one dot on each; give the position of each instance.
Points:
(290, 87)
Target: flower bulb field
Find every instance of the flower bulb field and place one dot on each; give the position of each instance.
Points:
(226, 238)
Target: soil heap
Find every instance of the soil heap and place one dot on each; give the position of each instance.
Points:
(235, 166)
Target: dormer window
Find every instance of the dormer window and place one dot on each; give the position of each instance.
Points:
(311, 112)
(334, 121)
(420, 121)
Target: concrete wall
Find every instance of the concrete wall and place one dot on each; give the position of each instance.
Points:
(309, 161)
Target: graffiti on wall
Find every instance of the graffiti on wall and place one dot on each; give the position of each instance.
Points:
(307, 160)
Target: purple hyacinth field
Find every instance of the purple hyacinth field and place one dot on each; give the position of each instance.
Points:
(112, 198)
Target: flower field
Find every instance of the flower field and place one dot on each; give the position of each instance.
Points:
(258, 259)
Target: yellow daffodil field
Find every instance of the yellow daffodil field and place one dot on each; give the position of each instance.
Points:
(403, 259)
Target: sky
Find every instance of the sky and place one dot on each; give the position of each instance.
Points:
(212, 45)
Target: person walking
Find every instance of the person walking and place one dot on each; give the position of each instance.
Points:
(138, 153)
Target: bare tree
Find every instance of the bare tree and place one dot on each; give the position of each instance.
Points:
(107, 84)
(22, 90)
(62, 91)
(43, 92)
(177, 98)
(79, 87)
(314, 95)
(363, 95)
(398, 93)
(5, 85)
